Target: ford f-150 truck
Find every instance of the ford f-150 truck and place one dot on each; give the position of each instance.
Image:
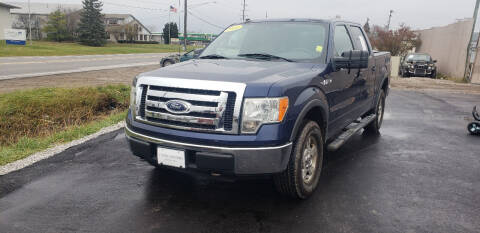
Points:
(264, 98)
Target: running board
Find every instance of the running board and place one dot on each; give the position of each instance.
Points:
(350, 130)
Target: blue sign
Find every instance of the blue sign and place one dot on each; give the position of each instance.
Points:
(15, 36)
(16, 42)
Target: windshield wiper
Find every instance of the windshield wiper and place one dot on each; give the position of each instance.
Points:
(263, 56)
(213, 56)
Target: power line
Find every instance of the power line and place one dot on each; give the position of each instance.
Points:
(205, 21)
(137, 7)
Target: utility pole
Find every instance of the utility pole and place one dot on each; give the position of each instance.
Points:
(185, 27)
(243, 11)
(469, 47)
(29, 24)
(389, 20)
(178, 27)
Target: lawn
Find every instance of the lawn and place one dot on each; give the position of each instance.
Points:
(34, 120)
(44, 48)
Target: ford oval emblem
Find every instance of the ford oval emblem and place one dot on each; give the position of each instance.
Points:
(178, 106)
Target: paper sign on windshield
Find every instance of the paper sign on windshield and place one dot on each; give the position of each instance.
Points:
(234, 28)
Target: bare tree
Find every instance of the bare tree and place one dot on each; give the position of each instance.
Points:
(72, 18)
(398, 42)
(21, 22)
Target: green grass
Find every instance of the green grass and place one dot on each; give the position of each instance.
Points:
(35, 119)
(27, 146)
(44, 48)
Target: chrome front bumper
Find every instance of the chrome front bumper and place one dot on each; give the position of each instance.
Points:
(244, 160)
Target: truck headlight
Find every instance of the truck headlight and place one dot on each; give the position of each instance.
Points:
(259, 111)
(133, 95)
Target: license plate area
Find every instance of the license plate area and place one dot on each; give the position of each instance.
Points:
(171, 157)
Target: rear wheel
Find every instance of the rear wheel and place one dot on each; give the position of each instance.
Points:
(300, 179)
(374, 126)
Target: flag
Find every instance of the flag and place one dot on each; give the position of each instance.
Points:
(173, 9)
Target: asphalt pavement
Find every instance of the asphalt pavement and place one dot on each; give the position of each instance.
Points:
(21, 67)
(421, 175)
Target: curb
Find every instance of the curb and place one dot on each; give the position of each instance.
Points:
(39, 156)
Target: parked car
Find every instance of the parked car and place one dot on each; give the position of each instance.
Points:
(265, 97)
(175, 58)
(418, 64)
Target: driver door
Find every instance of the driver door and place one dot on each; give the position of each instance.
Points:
(342, 90)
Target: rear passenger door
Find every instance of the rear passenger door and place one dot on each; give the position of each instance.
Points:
(365, 79)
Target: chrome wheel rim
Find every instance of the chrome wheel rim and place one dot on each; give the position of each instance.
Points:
(309, 159)
(380, 113)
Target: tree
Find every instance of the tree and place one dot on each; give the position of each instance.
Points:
(131, 32)
(56, 28)
(366, 26)
(170, 30)
(72, 18)
(21, 22)
(91, 30)
(397, 42)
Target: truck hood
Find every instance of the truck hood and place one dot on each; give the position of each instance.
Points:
(258, 75)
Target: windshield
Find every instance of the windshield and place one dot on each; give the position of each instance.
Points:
(289, 41)
(418, 57)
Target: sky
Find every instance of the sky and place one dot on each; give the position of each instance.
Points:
(212, 16)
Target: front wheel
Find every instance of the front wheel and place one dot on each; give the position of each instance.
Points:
(300, 179)
(167, 63)
(474, 128)
(374, 126)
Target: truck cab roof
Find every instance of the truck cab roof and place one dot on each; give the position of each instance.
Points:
(311, 20)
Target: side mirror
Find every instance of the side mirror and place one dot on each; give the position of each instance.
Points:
(434, 61)
(354, 59)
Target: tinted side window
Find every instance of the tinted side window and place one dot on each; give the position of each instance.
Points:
(358, 38)
(342, 40)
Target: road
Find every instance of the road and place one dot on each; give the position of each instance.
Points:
(421, 175)
(21, 67)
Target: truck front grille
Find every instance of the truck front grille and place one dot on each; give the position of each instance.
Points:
(208, 110)
(420, 71)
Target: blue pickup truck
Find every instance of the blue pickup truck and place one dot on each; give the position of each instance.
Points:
(264, 98)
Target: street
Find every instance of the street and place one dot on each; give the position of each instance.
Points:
(421, 175)
(21, 67)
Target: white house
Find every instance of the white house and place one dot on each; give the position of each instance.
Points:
(5, 17)
(126, 27)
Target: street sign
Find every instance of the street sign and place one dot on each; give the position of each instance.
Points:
(15, 36)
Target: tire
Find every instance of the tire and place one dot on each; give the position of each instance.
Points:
(472, 128)
(301, 177)
(375, 125)
(167, 63)
(434, 75)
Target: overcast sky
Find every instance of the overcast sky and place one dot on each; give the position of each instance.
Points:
(213, 15)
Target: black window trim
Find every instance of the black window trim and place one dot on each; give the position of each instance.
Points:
(364, 36)
(348, 33)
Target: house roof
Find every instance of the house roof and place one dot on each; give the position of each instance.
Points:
(124, 16)
(9, 6)
(42, 8)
